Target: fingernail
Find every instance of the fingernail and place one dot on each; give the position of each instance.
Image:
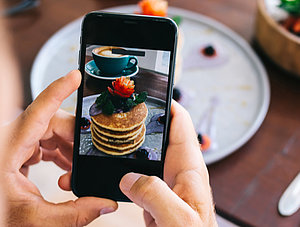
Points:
(106, 210)
(128, 180)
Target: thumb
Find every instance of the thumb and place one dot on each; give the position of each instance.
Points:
(155, 197)
(79, 212)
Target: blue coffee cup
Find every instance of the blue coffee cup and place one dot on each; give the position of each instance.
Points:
(111, 64)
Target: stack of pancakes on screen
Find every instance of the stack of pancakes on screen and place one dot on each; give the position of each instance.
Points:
(120, 133)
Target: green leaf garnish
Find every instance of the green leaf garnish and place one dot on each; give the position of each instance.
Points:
(108, 107)
(291, 6)
(109, 103)
(177, 19)
(141, 97)
(102, 99)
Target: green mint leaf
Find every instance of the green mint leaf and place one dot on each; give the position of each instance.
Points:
(177, 19)
(141, 98)
(108, 107)
(102, 99)
(291, 6)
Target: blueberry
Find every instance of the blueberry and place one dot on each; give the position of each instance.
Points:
(209, 50)
(176, 94)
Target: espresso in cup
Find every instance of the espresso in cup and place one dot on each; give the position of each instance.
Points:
(111, 64)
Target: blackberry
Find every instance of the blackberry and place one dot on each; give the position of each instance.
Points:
(85, 123)
(142, 154)
(200, 138)
(209, 51)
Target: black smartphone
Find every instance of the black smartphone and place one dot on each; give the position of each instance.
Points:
(123, 104)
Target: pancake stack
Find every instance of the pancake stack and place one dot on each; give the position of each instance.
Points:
(120, 133)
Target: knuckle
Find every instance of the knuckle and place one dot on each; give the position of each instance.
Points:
(151, 183)
(148, 187)
(74, 217)
(152, 180)
(32, 113)
(192, 219)
(21, 215)
(82, 221)
(27, 113)
(202, 212)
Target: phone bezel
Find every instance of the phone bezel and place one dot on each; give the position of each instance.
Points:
(163, 33)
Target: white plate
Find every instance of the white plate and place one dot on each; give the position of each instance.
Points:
(241, 83)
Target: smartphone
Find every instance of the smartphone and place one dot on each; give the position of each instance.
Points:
(123, 102)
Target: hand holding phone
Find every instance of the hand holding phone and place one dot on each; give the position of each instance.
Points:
(185, 199)
(42, 132)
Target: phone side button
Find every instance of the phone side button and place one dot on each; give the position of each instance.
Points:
(79, 57)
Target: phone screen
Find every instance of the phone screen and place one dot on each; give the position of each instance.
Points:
(124, 102)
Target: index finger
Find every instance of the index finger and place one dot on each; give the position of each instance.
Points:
(33, 123)
(183, 152)
(182, 129)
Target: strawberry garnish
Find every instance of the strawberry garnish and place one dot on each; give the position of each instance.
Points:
(154, 7)
(123, 87)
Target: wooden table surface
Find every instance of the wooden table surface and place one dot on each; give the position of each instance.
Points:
(246, 185)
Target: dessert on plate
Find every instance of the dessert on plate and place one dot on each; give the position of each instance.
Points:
(118, 118)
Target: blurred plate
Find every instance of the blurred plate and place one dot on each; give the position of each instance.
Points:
(240, 83)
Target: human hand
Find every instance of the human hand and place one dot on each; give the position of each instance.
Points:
(185, 199)
(44, 133)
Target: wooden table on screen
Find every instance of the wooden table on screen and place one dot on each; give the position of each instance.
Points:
(246, 185)
(154, 83)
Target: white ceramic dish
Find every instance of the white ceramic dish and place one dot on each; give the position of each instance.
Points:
(241, 83)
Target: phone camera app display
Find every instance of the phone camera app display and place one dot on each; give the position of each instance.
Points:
(124, 102)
